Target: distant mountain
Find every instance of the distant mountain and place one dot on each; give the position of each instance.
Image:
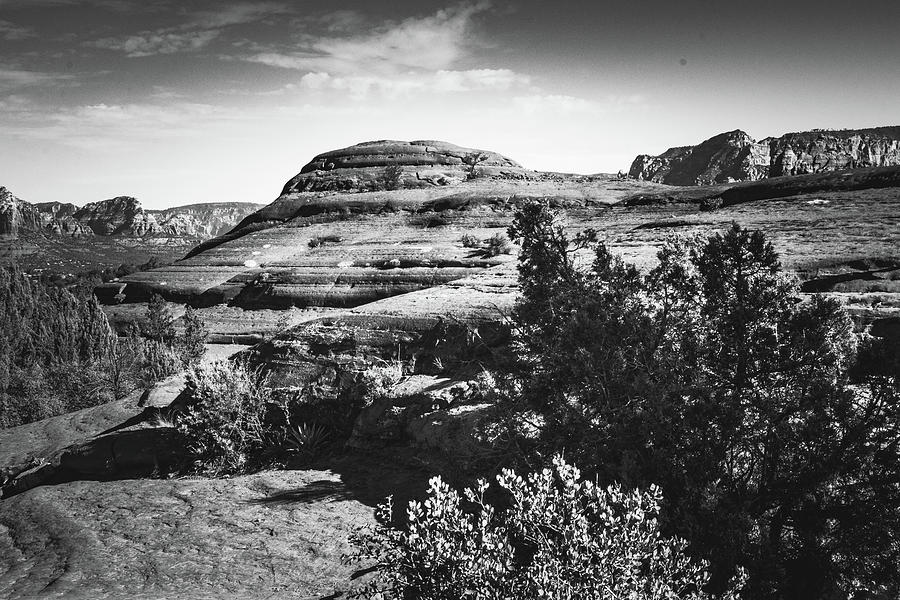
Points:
(122, 216)
(735, 156)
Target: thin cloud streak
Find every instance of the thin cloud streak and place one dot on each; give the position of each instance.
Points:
(201, 29)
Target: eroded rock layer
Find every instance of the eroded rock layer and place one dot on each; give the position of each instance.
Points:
(419, 163)
(735, 156)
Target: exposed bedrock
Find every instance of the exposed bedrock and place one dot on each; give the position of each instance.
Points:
(735, 156)
(421, 164)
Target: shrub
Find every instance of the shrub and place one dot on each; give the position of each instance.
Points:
(321, 240)
(224, 421)
(390, 178)
(53, 344)
(428, 221)
(496, 245)
(557, 537)
(470, 241)
(159, 325)
(192, 343)
(710, 376)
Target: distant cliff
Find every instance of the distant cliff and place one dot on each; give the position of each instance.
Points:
(735, 156)
(121, 216)
(17, 215)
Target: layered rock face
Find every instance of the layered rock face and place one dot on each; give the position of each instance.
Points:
(735, 156)
(421, 163)
(202, 220)
(117, 216)
(348, 247)
(815, 152)
(16, 214)
(120, 216)
(731, 156)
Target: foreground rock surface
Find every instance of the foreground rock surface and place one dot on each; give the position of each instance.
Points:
(269, 535)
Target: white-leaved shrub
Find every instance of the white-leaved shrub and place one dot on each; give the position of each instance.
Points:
(558, 537)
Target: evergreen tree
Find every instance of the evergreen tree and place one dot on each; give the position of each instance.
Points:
(710, 376)
(192, 345)
(159, 325)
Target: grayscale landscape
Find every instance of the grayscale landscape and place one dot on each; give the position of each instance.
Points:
(594, 341)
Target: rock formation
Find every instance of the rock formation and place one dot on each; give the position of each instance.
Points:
(735, 156)
(16, 214)
(202, 220)
(121, 216)
(421, 163)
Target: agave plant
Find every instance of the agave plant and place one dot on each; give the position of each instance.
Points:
(306, 438)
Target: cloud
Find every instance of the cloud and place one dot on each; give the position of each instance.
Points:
(433, 42)
(444, 81)
(561, 103)
(11, 32)
(197, 32)
(107, 126)
(11, 79)
(149, 43)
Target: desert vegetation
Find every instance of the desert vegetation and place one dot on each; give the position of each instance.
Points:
(736, 437)
(769, 427)
(59, 354)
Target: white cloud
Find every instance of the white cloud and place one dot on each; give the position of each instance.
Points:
(149, 43)
(12, 32)
(11, 79)
(561, 103)
(431, 43)
(105, 126)
(197, 32)
(443, 81)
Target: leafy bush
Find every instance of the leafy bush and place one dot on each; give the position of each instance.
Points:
(710, 376)
(557, 537)
(224, 421)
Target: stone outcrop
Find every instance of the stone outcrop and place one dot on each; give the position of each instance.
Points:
(420, 163)
(735, 156)
(16, 214)
(731, 156)
(122, 215)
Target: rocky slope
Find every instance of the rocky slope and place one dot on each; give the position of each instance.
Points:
(735, 156)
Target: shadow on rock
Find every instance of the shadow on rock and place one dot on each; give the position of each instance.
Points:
(120, 455)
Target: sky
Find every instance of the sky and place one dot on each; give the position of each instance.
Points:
(183, 101)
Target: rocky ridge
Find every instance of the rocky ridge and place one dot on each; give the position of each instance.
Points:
(121, 216)
(735, 156)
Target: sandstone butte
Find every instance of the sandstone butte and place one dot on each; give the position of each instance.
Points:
(336, 276)
(735, 156)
